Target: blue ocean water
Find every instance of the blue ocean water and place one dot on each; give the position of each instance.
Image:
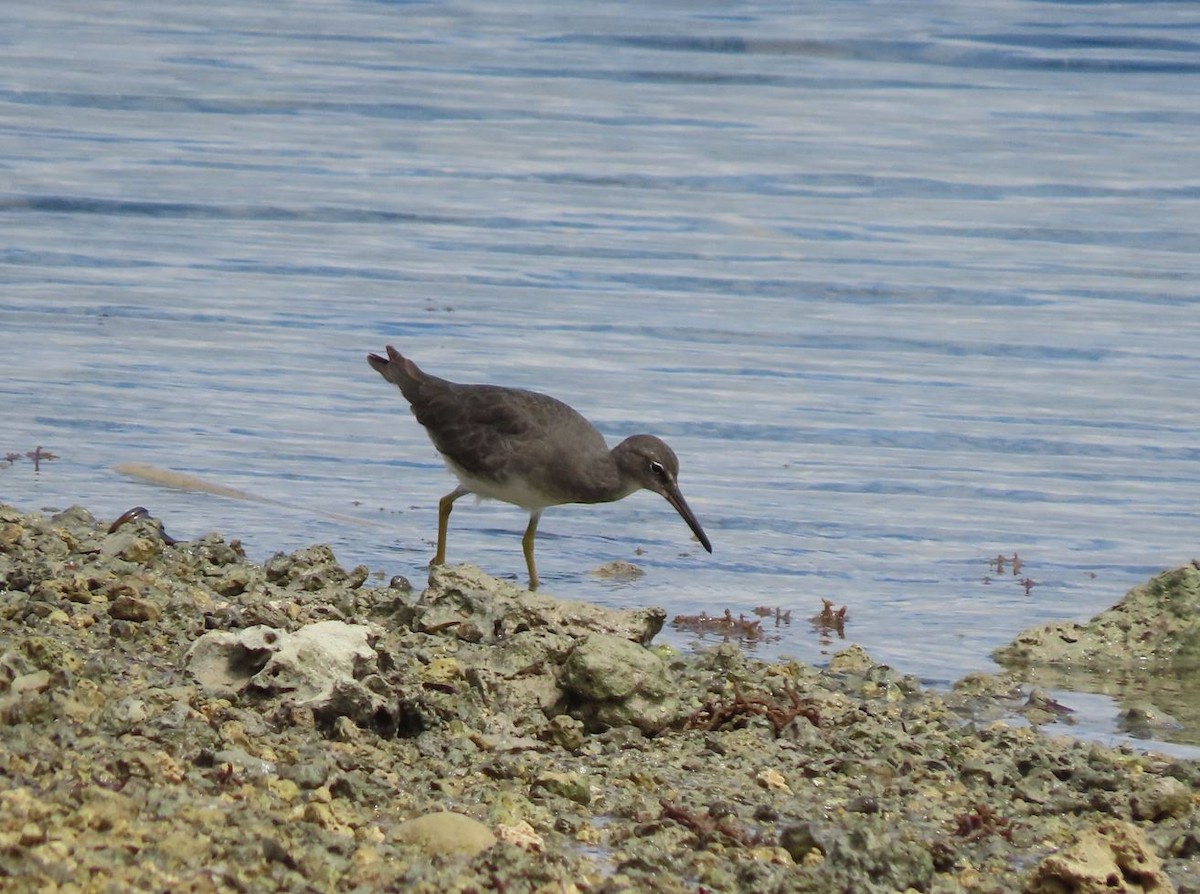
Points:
(905, 286)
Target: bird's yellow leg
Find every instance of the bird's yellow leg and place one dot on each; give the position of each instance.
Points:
(444, 506)
(527, 546)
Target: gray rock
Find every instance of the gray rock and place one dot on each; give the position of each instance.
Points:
(609, 681)
(1155, 621)
(308, 774)
(571, 786)
(312, 569)
(1145, 649)
(139, 542)
(461, 597)
(1159, 798)
(799, 840)
(1144, 720)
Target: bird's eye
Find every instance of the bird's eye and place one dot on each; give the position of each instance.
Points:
(657, 468)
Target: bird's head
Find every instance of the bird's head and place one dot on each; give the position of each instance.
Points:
(647, 462)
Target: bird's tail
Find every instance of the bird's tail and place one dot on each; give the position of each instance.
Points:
(396, 368)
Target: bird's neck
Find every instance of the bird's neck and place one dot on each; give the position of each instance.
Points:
(605, 482)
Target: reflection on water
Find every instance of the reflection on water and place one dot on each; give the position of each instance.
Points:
(1148, 704)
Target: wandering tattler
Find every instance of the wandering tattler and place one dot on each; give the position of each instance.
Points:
(528, 449)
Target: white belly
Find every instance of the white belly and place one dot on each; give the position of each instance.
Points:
(515, 490)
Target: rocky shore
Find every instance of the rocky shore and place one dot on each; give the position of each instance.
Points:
(1144, 652)
(174, 717)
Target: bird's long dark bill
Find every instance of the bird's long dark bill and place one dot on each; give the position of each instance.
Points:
(675, 498)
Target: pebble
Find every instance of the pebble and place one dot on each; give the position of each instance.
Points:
(445, 833)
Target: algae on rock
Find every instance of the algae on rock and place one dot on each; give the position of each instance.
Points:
(1145, 651)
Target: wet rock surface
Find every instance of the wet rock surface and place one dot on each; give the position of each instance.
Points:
(1157, 622)
(1144, 651)
(175, 717)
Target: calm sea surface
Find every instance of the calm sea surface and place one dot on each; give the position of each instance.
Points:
(906, 286)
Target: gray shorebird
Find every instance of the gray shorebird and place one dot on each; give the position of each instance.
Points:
(528, 449)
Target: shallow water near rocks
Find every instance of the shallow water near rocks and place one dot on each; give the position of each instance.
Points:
(905, 288)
